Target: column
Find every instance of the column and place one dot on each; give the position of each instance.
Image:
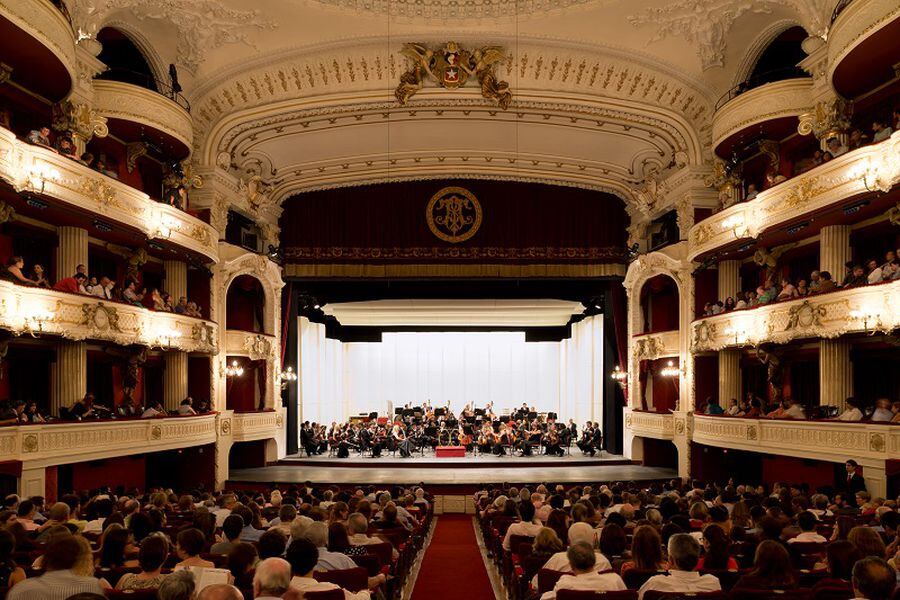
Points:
(176, 279)
(834, 250)
(729, 278)
(69, 375)
(71, 251)
(835, 373)
(175, 379)
(729, 376)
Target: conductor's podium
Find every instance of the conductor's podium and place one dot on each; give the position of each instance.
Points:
(450, 452)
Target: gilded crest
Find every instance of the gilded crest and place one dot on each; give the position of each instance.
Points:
(30, 443)
(876, 442)
(100, 317)
(453, 214)
(805, 315)
(451, 67)
(155, 432)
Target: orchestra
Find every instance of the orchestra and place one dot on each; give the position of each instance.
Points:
(413, 430)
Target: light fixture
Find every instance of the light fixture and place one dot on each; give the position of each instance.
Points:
(165, 225)
(737, 226)
(740, 336)
(866, 315)
(166, 336)
(287, 376)
(33, 319)
(38, 175)
(620, 377)
(234, 369)
(670, 370)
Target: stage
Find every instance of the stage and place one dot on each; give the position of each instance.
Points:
(450, 471)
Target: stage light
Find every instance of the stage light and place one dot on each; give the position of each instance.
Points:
(287, 376)
(234, 369)
(620, 377)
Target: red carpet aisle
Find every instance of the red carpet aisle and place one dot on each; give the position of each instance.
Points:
(452, 568)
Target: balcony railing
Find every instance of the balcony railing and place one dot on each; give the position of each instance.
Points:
(822, 440)
(37, 311)
(650, 346)
(255, 346)
(650, 424)
(147, 81)
(864, 309)
(67, 442)
(760, 80)
(42, 172)
(258, 425)
(873, 168)
(767, 102)
(137, 104)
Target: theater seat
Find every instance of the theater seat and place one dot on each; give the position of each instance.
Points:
(131, 594)
(547, 579)
(351, 579)
(657, 595)
(753, 594)
(587, 595)
(336, 594)
(635, 578)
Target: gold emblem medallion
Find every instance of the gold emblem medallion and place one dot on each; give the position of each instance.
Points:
(453, 214)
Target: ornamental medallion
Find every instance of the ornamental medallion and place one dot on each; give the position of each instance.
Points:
(453, 214)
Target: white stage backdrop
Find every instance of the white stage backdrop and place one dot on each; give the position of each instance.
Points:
(339, 380)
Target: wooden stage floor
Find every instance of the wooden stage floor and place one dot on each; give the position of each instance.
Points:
(450, 471)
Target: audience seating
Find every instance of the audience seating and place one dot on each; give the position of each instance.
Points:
(583, 595)
(351, 579)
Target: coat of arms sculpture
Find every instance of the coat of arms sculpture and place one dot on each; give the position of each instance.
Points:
(451, 67)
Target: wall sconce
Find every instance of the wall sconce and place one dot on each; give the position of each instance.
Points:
(287, 376)
(737, 226)
(670, 370)
(165, 226)
(620, 377)
(38, 176)
(33, 319)
(234, 370)
(740, 336)
(166, 336)
(866, 315)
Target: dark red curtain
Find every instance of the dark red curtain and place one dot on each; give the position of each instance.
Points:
(522, 222)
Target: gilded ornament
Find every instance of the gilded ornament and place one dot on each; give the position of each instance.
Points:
(752, 433)
(450, 67)
(133, 151)
(279, 420)
(876, 442)
(628, 420)
(7, 212)
(99, 191)
(226, 426)
(156, 432)
(801, 194)
(453, 214)
(679, 426)
(30, 443)
(805, 315)
(100, 317)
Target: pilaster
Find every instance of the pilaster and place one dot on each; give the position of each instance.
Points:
(834, 250)
(729, 280)
(175, 379)
(68, 375)
(835, 372)
(71, 250)
(176, 279)
(729, 376)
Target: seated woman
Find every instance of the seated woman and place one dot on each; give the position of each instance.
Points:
(152, 555)
(39, 278)
(715, 551)
(339, 541)
(772, 569)
(646, 551)
(788, 291)
(112, 550)
(851, 413)
(14, 272)
(241, 562)
(546, 544)
(840, 558)
(188, 546)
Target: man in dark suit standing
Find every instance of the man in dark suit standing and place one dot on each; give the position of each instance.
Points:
(855, 482)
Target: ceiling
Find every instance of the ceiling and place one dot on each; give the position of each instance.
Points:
(454, 313)
(611, 95)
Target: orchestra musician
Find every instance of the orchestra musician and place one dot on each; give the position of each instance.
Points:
(591, 439)
(400, 440)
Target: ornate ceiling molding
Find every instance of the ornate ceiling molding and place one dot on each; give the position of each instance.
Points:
(706, 24)
(455, 10)
(357, 69)
(201, 25)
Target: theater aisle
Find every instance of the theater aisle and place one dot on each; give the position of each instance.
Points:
(453, 567)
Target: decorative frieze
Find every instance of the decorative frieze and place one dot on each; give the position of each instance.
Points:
(651, 424)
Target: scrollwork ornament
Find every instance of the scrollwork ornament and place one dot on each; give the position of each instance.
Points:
(629, 421)
(156, 433)
(752, 433)
(876, 442)
(30, 443)
(805, 315)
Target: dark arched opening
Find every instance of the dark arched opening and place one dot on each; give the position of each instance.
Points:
(125, 60)
(245, 305)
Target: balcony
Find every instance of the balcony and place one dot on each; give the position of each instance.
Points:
(251, 426)
(862, 46)
(34, 311)
(772, 108)
(650, 346)
(126, 103)
(820, 440)
(655, 425)
(42, 172)
(36, 32)
(864, 309)
(68, 442)
(873, 168)
(255, 346)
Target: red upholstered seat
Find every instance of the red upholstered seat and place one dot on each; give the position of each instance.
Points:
(635, 578)
(384, 551)
(657, 595)
(547, 579)
(753, 594)
(131, 594)
(587, 595)
(335, 594)
(351, 579)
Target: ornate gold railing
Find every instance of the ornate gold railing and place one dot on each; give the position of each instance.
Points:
(40, 171)
(862, 309)
(650, 424)
(36, 311)
(869, 169)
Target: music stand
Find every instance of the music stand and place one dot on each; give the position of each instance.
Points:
(532, 416)
(504, 419)
(440, 412)
(398, 411)
(479, 412)
(373, 414)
